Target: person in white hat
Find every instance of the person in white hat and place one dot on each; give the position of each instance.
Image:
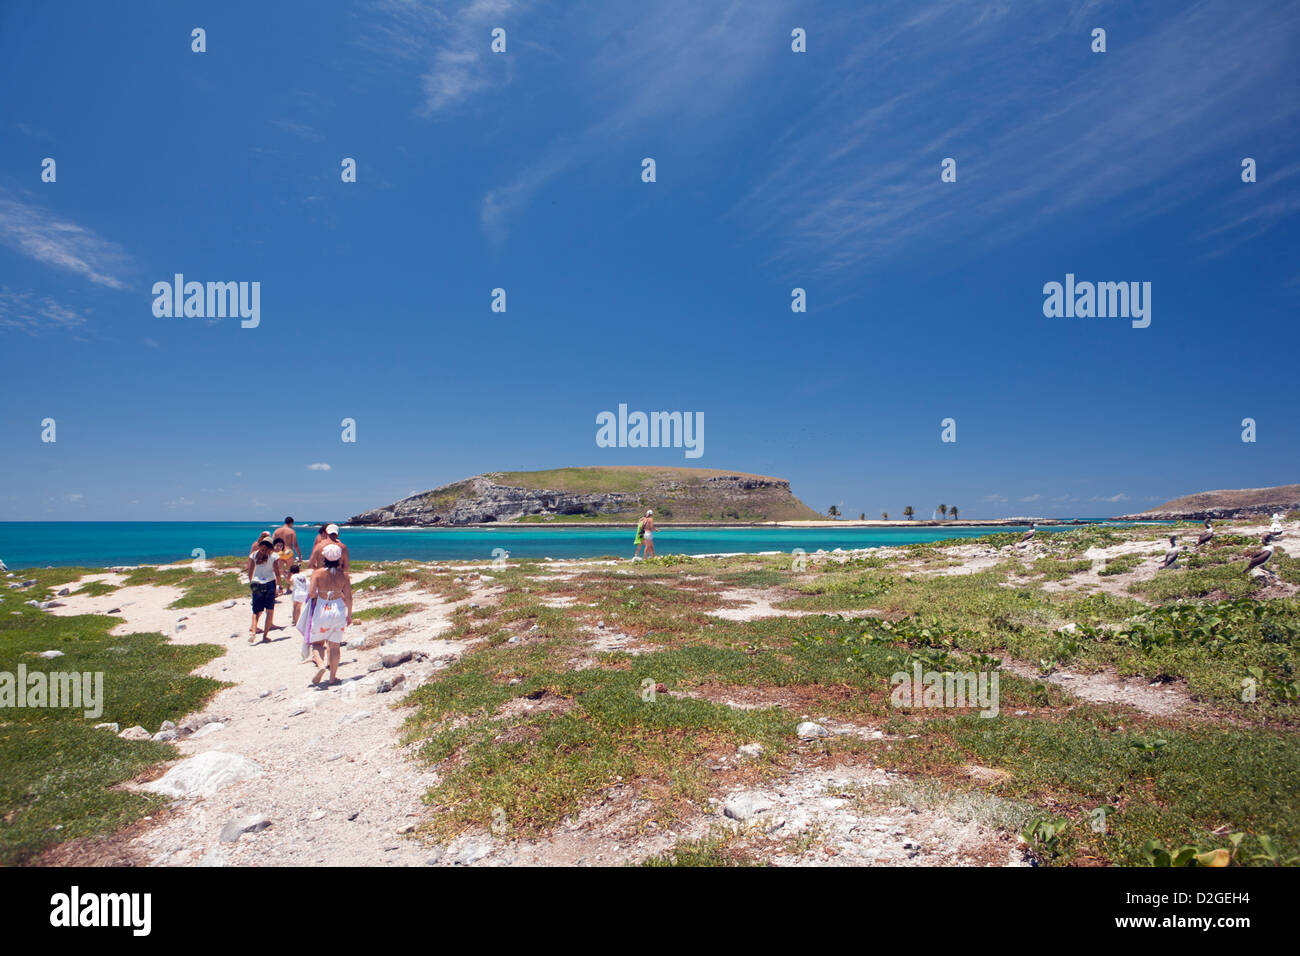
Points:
(331, 589)
(260, 538)
(648, 534)
(326, 536)
(262, 575)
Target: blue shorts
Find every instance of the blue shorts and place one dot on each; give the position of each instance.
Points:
(263, 596)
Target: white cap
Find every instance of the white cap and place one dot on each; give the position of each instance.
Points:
(332, 552)
(648, 512)
(264, 534)
(331, 529)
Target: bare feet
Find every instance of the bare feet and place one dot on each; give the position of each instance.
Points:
(319, 674)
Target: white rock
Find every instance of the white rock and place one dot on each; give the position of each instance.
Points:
(50, 655)
(204, 774)
(206, 730)
(233, 830)
(808, 730)
(751, 750)
(135, 733)
(746, 806)
(472, 854)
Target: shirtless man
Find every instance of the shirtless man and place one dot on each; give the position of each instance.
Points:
(286, 534)
(331, 536)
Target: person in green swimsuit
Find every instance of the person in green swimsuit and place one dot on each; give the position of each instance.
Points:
(639, 540)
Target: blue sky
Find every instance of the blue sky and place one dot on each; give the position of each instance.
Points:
(522, 170)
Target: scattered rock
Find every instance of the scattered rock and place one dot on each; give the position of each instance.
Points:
(135, 733)
(253, 823)
(64, 592)
(751, 750)
(809, 730)
(167, 725)
(204, 774)
(163, 736)
(390, 684)
(746, 806)
(207, 730)
(112, 727)
(472, 853)
(50, 655)
(399, 656)
(353, 717)
(194, 723)
(435, 857)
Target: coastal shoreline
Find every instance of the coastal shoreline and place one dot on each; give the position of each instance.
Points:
(741, 525)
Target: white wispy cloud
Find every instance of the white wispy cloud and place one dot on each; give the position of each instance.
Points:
(450, 42)
(40, 234)
(1111, 499)
(679, 65)
(318, 466)
(1139, 123)
(1029, 498)
(31, 313)
(995, 499)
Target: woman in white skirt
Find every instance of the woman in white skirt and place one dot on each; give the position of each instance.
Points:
(332, 590)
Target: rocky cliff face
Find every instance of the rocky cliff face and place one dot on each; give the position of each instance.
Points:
(481, 500)
(1238, 503)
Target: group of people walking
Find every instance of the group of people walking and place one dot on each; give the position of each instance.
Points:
(322, 594)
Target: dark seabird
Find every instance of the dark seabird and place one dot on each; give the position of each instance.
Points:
(1206, 535)
(1260, 558)
(1171, 555)
(1028, 534)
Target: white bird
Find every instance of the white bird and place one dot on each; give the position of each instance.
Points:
(1275, 531)
(1206, 535)
(2, 566)
(1171, 555)
(1260, 558)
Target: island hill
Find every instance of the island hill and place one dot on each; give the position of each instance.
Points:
(1238, 503)
(609, 494)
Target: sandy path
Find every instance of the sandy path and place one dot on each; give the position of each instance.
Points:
(335, 785)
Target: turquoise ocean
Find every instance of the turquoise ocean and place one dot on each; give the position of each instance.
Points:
(26, 544)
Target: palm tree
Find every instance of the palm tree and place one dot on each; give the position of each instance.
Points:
(833, 511)
(884, 516)
(908, 512)
(943, 511)
(952, 512)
